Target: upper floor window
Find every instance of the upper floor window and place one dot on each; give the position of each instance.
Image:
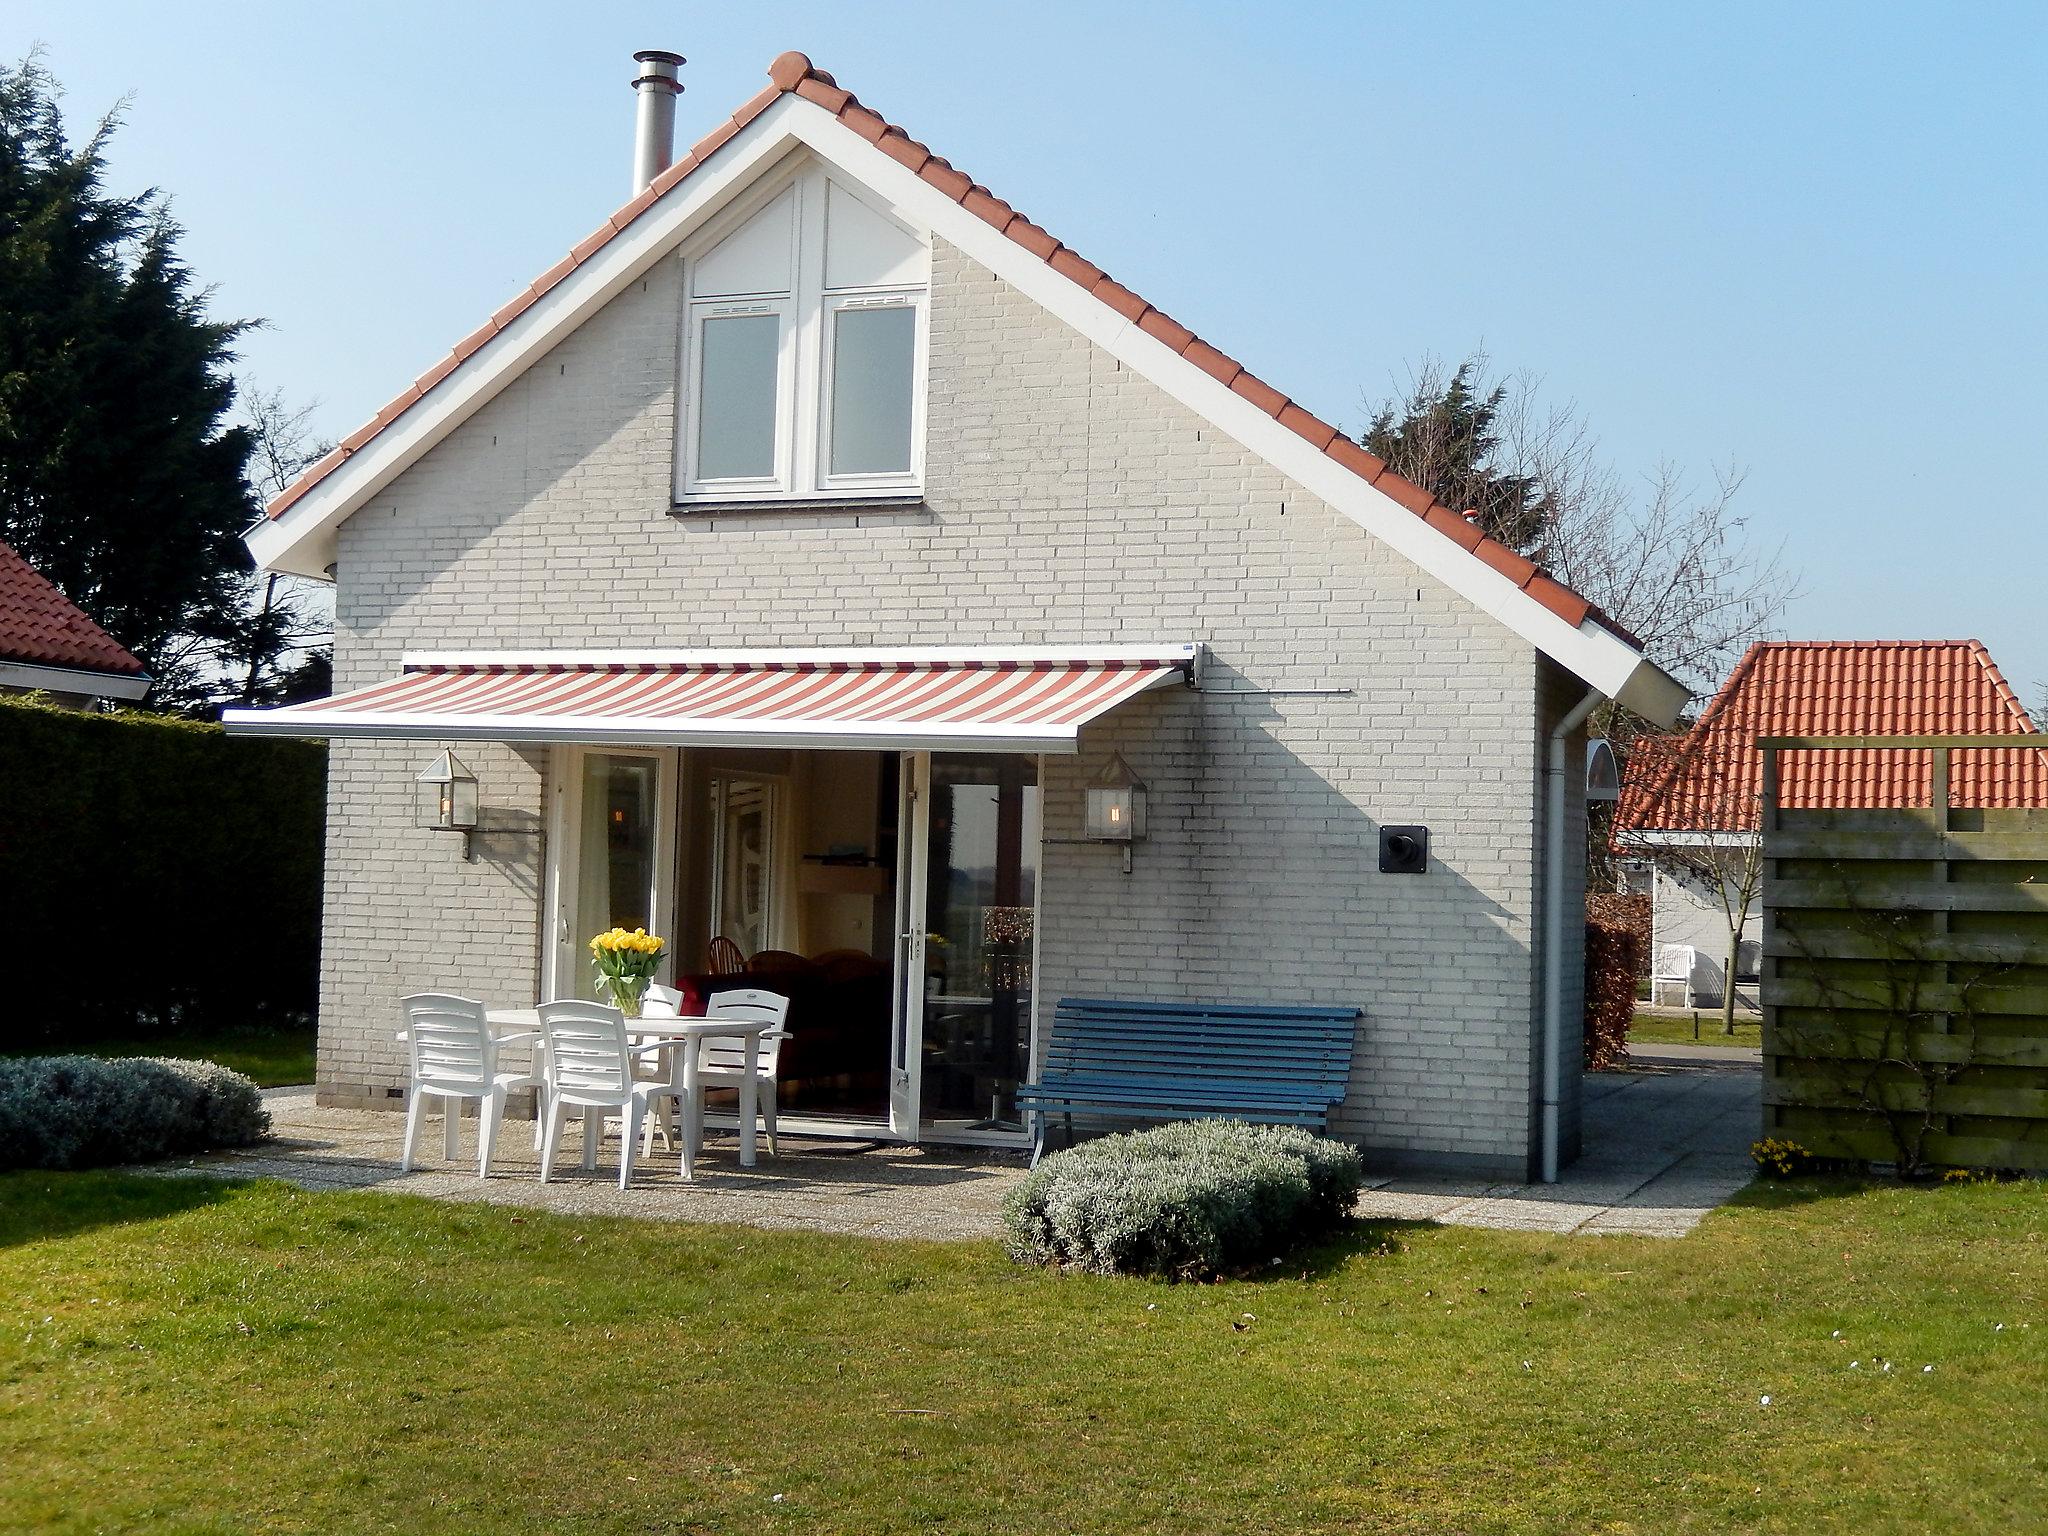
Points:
(803, 349)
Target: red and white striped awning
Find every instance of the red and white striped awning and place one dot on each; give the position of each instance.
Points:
(974, 699)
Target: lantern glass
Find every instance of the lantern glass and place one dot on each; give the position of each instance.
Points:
(1116, 804)
(1113, 815)
(447, 795)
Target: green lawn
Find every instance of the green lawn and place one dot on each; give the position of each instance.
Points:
(273, 1057)
(186, 1356)
(1665, 1029)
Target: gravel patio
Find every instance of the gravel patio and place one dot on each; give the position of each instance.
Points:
(1665, 1144)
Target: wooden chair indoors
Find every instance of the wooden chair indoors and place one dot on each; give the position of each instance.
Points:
(724, 958)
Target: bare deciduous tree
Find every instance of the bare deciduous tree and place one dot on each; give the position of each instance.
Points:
(1714, 841)
(1669, 560)
(283, 653)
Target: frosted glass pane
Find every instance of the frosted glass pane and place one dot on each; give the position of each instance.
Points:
(736, 411)
(872, 354)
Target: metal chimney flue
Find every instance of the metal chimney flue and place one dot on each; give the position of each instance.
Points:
(654, 118)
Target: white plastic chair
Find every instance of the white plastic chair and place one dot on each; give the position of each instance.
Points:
(590, 1065)
(722, 1061)
(454, 1058)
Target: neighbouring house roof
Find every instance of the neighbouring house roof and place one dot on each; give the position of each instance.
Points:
(793, 76)
(41, 627)
(1709, 779)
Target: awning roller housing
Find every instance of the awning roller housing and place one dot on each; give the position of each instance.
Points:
(964, 699)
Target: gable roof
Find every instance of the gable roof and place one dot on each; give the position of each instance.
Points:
(1452, 543)
(1709, 779)
(41, 627)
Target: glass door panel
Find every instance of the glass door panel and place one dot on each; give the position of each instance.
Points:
(744, 888)
(980, 908)
(618, 876)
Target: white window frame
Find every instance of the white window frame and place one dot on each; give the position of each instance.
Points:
(803, 390)
(834, 303)
(777, 481)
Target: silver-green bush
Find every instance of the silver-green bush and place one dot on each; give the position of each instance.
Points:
(88, 1112)
(1183, 1201)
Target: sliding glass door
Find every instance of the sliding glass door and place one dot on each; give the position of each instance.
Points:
(615, 821)
(972, 897)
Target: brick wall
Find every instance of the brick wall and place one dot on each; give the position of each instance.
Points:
(1067, 501)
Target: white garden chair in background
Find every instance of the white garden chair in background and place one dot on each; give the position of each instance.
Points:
(454, 1058)
(590, 1065)
(722, 1060)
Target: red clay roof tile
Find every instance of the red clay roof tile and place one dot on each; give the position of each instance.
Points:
(900, 146)
(435, 374)
(592, 243)
(793, 72)
(830, 97)
(1461, 530)
(675, 173)
(549, 278)
(513, 310)
(1709, 779)
(1368, 467)
(41, 627)
(1511, 565)
(1120, 298)
(1075, 268)
(869, 125)
(1218, 366)
(1558, 598)
(1259, 392)
(1307, 425)
(1032, 238)
(940, 173)
(467, 347)
(1163, 327)
(1409, 495)
(756, 104)
(985, 205)
(647, 199)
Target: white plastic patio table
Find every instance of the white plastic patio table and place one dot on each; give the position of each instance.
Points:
(687, 1032)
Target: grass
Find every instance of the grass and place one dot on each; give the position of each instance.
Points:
(183, 1355)
(1677, 1029)
(275, 1058)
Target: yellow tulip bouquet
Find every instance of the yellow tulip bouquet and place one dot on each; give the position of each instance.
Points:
(625, 963)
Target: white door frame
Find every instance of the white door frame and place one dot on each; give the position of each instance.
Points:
(906, 1065)
(562, 972)
(906, 1023)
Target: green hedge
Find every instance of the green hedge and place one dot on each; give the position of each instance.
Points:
(154, 873)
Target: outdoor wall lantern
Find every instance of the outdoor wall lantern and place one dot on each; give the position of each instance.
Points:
(1116, 806)
(448, 798)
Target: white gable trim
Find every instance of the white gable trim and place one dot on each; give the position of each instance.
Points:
(36, 678)
(303, 539)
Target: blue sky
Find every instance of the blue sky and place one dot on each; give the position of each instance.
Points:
(1810, 239)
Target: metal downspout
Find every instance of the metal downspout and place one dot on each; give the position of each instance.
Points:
(1553, 927)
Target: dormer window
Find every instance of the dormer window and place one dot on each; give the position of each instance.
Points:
(803, 350)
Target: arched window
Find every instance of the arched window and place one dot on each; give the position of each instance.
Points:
(803, 349)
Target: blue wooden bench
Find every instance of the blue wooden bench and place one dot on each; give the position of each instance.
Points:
(1123, 1061)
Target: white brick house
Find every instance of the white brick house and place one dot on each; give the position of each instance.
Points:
(812, 402)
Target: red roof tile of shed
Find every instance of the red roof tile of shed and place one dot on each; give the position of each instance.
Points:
(41, 627)
(792, 73)
(1709, 779)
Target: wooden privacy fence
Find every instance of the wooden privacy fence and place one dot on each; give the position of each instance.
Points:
(1905, 973)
